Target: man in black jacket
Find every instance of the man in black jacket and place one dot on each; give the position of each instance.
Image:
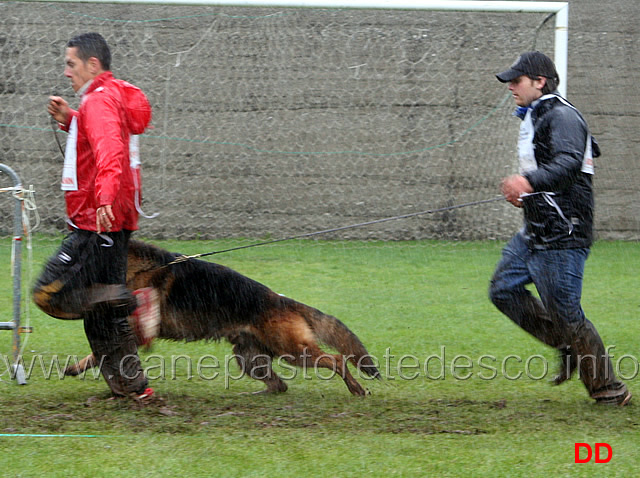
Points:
(554, 188)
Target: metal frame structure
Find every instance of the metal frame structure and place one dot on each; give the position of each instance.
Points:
(14, 325)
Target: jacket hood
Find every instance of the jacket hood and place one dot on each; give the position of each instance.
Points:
(137, 106)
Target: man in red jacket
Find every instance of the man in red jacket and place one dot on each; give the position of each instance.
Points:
(86, 278)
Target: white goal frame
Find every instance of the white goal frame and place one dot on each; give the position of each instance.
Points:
(560, 9)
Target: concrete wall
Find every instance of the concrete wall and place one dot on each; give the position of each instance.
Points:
(604, 64)
(332, 134)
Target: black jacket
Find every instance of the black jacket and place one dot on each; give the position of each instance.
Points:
(564, 219)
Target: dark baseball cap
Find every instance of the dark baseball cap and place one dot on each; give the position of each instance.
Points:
(531, 63)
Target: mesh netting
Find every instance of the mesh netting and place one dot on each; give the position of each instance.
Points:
(275, 122)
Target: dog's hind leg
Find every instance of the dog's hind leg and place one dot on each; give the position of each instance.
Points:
(255, 360)
(314, 356)
(80, 367)
(291, 338)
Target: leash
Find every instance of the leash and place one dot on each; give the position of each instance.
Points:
(54, 129)
(184, 258)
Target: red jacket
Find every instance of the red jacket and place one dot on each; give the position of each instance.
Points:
(109, 112)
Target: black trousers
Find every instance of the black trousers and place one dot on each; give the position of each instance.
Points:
(86, 279)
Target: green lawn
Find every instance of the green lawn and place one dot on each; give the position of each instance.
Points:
(466, 393)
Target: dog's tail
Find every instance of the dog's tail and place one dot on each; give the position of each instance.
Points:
(334, 333)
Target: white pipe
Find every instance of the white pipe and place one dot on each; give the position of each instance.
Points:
(562, 47)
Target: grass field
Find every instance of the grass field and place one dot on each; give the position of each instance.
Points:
(465, 393)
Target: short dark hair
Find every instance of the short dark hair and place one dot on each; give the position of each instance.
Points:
(92, 45)
(550, 85)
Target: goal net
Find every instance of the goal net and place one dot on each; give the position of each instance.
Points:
(271, 122)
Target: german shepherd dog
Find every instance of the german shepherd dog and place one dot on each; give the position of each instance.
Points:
(202, 300)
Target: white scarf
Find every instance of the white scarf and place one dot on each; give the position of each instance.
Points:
(69, 169)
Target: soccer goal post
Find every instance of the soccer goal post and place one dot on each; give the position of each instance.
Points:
(276, 118)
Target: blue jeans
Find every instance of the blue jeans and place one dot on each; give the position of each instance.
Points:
(556, 273)
(557, 318)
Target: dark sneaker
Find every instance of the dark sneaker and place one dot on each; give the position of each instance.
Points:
(145, 320)
(621, 400)
(144, 397)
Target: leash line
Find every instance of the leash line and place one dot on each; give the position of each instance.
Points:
(184, 258)
(54, 129)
